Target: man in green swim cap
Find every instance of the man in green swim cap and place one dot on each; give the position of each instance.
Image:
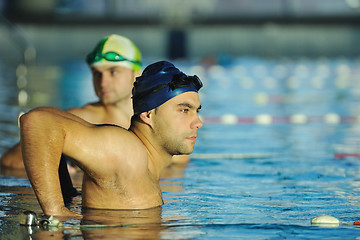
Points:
(134, 158)
(115, 62)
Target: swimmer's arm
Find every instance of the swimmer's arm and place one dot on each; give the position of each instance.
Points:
(68, 115)
(12, 158)
(42, 133)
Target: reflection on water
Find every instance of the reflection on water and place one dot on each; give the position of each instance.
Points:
(141, 224)
(17, 196)
(15, 199)
(108, 224)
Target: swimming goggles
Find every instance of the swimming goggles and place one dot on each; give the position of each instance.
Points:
(108, 56)
(178, 81)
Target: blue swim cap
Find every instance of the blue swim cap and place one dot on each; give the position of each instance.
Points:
(160, 82)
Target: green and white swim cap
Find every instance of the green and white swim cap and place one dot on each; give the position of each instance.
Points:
(117, 50)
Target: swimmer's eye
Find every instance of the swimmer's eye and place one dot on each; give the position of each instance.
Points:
(114, 72)
(186, 110)
(97, 74)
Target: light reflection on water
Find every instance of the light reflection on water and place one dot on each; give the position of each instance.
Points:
(252, 198)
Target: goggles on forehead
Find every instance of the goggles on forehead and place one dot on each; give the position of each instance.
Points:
(178, 81)
(108, 56)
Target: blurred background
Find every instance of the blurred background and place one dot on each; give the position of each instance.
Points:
(56, 31)
(313, 44)
(182, 28)
(46, 32)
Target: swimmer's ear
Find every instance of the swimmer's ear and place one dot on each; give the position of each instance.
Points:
(146, 117)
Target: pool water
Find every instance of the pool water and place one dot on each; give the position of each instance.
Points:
(264, 164)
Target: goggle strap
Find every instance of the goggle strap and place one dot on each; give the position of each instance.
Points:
(178, 81)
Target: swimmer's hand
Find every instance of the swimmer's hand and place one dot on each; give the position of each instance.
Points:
(61, 213)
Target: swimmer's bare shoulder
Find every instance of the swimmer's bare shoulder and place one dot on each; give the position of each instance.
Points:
(92, 112)
(101, 149)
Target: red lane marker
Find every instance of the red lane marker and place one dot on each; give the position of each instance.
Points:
(344, 155)
(248, 120)
(357, 223)
(211, 120)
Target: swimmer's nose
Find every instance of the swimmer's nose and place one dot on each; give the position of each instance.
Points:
(198, 123)
(104, 80)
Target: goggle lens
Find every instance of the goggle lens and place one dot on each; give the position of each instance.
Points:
(108, 56)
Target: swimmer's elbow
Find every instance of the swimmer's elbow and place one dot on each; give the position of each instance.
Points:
(31, 119)
(24, 120)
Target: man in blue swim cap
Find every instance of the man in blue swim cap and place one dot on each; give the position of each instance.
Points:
(160, 83)
(167, 125)
(115, 62)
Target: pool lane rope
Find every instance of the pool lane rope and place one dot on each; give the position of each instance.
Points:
(232, 155)
(347, 155)
(267, 119)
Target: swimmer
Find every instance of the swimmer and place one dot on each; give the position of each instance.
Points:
(165, 123)
(115, 62)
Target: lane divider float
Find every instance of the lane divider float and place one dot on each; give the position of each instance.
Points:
(232, 155)
(330, 221)
(267, 119)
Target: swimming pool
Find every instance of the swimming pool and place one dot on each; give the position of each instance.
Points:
(264, 164)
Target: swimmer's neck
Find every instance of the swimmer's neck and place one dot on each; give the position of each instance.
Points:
(158, 157)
